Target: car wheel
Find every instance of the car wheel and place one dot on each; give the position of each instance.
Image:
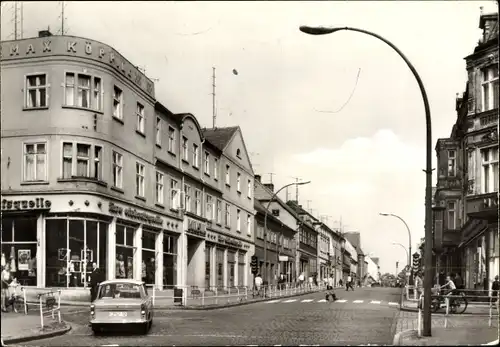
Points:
(145, 328)
(150, 324)
(97, 330)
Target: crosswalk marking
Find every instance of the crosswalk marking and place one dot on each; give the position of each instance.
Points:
(307, 300)
(393, 304)
(322, 300)
(358, 301)
(340, 300)
(293, 300)
(273, 301)
(374, 302)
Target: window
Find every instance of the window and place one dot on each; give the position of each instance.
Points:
(249, 224)
(207, 163)
(216, 169)
(489, 158)
(67, 160)
(139, 179)
(171, 139)
(490, 88)
(219, 212)
(35, 162)
(117, 102)
(238, 153)
(238, 220)
(196, 155)
(82, 160)
(97, 162)
(228, 175)
(187, 198)
(185, 150)
(158, 131)
(451, 214)
(260, 231)
(117, 170)
(228, 215)
(83, 91)
(140, 118)
(210, 208)
(159, 188)
(173, 194)
(197, 202)
(36, 91)
(238, 182)
(249, 188)
(452, 163)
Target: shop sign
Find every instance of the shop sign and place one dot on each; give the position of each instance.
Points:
(230, 241)
(283, 258)
(196, 228)
(33, 204)
(132, 213)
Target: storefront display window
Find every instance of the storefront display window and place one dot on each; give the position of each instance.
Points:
(125, 251)
(72, 246)
(241, 268)
(148, 270)
(169, 260)
(19, 248)
(231, 257)
(208, 262)
(220, 267)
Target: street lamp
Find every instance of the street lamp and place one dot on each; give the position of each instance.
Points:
(265, 219)
(428, 166)
(407, 254)
(408, 251)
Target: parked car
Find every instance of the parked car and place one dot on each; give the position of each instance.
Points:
(375, 284)
(121, 302)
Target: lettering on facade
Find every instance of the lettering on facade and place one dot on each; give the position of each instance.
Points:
(230, 241)
(132, 213)
(81, 47)
(196, 228)
(34, 204)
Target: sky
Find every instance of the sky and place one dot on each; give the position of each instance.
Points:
(342, 111)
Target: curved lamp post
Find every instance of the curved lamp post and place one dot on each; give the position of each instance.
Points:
(408, 251)
(428, 166)
(407, 254)
(265, 219)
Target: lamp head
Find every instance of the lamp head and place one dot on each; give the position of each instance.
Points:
(302, 183)
(384, 214)
(318, 30)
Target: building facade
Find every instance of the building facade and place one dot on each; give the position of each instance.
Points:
(96, 170)
(351, 262)
(466, 201)
(355, 240)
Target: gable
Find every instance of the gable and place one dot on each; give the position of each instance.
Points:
(237, 146)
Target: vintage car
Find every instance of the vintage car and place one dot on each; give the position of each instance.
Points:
(121, 302)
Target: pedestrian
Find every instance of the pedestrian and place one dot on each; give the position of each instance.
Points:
(258, 283)
(418, 285)
(95, 279)
(330, 282)
(301, 279)
(495, 287)
(348, 284)
(5, 286)
(340, 283)
(458, 281)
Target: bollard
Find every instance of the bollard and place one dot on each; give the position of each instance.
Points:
(246, 293)
(238, 289)
(203, 298)
(25, 302)
(447, 312)
(41, 310)
(216, 294)
(491, 311)
(419, 319)
(59, 306)
(154, 295)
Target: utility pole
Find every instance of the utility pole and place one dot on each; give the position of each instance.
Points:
(308, 201)
(297, 189)
(271, 174)
(214, 115)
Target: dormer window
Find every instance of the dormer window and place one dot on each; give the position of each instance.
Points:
(238, 153)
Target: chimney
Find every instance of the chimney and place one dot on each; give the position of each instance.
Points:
(44, 33)
(269, 186)
(257, 178)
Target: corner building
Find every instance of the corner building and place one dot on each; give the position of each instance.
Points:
(94, 169)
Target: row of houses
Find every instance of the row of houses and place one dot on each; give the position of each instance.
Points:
(465, 206)
(95, 169)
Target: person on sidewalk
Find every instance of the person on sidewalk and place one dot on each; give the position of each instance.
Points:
(458, 281)
(258, 283)
(94, 281)
(5, 286)
(348, 284)
(495, 287)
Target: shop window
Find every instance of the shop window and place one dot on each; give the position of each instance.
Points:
(241, 269)
(169, 260)
(148, 270)
(231, 259)
(220, 267)
(208, 261)
(19, 247)
(72, 246)
(125, 251)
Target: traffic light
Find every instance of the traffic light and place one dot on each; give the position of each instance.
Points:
(416, 263)
(254, 264)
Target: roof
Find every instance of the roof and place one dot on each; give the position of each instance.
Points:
(122, 280)
(219, 137)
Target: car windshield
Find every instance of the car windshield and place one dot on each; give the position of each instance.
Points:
(120, 290)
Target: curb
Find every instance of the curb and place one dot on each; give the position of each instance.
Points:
(402, 334)
(37, 337)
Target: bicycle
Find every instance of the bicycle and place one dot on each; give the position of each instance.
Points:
(458, 304)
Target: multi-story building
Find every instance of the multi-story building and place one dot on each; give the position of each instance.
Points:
(466, 200)
(324, 256)
(96, 170)
(352, 261)
(355, 240)
(282, 224)
(372, 271)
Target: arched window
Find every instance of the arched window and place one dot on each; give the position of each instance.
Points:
(238, 153)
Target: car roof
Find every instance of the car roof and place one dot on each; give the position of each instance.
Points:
(122, 280)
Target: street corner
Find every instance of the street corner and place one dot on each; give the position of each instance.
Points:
(51, 330)
(405, 335)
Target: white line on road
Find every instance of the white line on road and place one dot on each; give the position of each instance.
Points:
(340, 300)
(307, 300)
(115, 345)
(322, 300)
(272, 301)
(393, 304)
(293, 300)
(374, 302)
(357, 301)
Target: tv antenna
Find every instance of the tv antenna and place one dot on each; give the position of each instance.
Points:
(271, 174)
(18, 20)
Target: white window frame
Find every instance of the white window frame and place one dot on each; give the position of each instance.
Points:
(249, 224)
(197, 202)
(228, 215)
(250, 188)
(238, 182)
(216, 169)
(160, 188)
(185, 148)
(171, 139)
(117, 160)
(451, 214)
(187, 197)
(487, 90)
(82, 158)
(140, 179)
(117, 102)
(207, 163)
(209, 208)
(238, 220)
(219, 212)
(97, 93)
(141, 118)
(488, 179)
(37, 88)
(76, 88)
(158, 131)
(97, 160)
(196, 155)
(452, 163)
(228, 175)
(174, 192)
(35, 161)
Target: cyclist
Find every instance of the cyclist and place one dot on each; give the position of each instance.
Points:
(449, 287)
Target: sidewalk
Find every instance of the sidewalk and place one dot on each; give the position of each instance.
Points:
(472, 308)
(18, 328)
